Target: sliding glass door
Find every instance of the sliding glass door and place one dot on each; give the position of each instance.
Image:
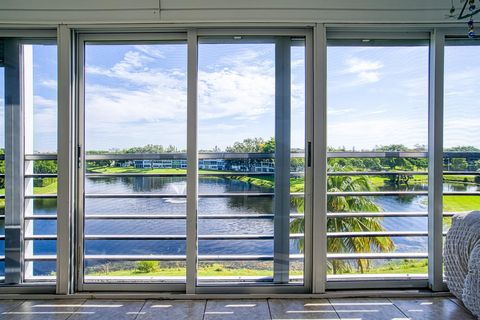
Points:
(134, 165)
(251, 201)
(251, 111)
(377, 185)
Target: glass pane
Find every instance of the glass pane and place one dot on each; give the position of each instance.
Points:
(236, 111)
(461, 134)
(377, 202)
(135, 173)
(236, 206)
(40, 96)
(2, 170)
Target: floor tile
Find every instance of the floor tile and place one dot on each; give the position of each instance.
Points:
(431, 309)
(7, 305)
(301, 309)
(44, 309)
(172, 310)
(237, 309)
(109, 309)
(366, 309)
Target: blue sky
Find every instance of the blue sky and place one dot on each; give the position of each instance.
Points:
(136, 95)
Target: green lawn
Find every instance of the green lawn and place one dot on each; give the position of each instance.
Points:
(403, 267)
(461, 203)
(205, 271)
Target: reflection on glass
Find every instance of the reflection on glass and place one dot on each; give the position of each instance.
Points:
(377, 104)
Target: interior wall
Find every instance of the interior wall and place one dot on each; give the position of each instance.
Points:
(119, 11)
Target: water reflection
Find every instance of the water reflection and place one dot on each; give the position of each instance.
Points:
(236, 205)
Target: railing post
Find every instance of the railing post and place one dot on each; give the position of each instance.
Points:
(14, 174)
(281, 242)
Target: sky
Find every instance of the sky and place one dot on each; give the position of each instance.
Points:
(137, 95)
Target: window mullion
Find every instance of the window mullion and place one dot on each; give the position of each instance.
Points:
(14, 171)
(281, 246)
(435, 166)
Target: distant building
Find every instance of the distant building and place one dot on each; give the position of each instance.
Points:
(211, 164)
(160, 164)
(264, 166)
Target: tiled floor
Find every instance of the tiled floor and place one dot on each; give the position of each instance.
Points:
(359, 308)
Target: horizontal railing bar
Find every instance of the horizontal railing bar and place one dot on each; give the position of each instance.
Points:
(262, 194)
(41, 217)
(233, 155)
(235, 174)
(363, 234)
(2, 196)
(41, 257)
(387, 154)
(2, 216)
(460, 193)
(41, 175)
(183, 257)
(41, 237)
(244, 257)
(40, 156)
(375, 173)
(183, 237)
(162, 195)
(330, 256)
(183, 156)
(160, 216)
(377, 234)
(2, 258)
(392, 255)
(237, 216)
(375, 214)
(379, 193)
(178, 216)
(462, 173)
(41, 196)
(386, 214)
(209, 173)
(2, 237)
(134, 195)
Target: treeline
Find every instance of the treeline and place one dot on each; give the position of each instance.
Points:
(409, 164)
(260, 145)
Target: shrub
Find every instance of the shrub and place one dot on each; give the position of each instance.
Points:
(147, 266)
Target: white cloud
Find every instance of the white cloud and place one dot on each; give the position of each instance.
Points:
(367, 71)
(49, 83)
(338, 111)
(41, 101)
(153, 51)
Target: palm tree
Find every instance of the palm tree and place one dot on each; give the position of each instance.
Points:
(348, 224)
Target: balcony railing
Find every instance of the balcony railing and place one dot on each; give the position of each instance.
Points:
(30, 236)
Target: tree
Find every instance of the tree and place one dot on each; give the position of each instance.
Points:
(459, 164)
(348, 224)
(268, 146)
(463, 149)
(248, 145)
